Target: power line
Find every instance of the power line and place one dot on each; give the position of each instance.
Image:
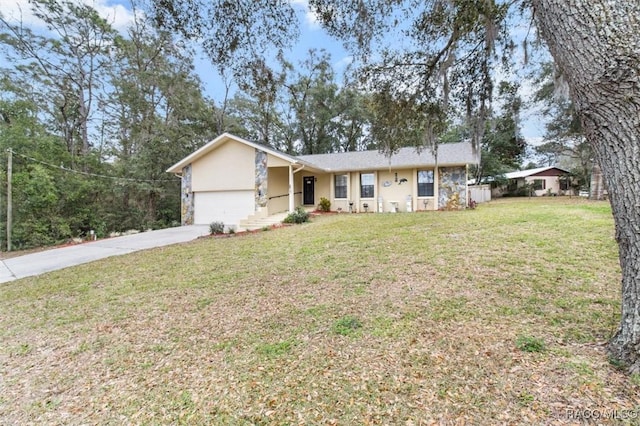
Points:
(65, 169)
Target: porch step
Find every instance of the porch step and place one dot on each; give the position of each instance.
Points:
(252, 224)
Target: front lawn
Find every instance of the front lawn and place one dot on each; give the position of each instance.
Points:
(497, 315)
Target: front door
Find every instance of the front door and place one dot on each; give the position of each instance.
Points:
(308, 196)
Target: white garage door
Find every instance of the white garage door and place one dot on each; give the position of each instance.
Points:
(228, 207)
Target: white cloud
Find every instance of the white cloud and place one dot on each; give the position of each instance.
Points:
(344, 62)
(310, 17)
(18, 11)
(535, 140)
(119, 15)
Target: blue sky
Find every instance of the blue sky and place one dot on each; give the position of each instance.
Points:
(120, 15)
(312, 36)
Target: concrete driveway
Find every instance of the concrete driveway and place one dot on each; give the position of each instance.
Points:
(59, 258)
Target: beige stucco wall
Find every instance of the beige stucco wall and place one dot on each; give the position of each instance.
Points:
(322, 187)
(390, 188)
(551, 183)
(340, 204)
(396, 191)
(229, 167)
(273, 161)
(278, 185)
(354, 190)
(297, 189)
(359, 202)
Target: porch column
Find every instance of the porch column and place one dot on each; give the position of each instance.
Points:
(436, 188)
(414, 190)
(291, 190)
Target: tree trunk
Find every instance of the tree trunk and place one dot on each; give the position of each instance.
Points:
(596, 44)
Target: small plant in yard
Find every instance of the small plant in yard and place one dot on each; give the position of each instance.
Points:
(24, 349)
(299, 215)
(530, 344)
(616, 364)
(346, 326)
(325, 205)
(216, 228)
(525, 399)
(275, 349)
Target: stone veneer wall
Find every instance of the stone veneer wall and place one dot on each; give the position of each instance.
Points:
(452, 188)
(261, 180)
(186, 197)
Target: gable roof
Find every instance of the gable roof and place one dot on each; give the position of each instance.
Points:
(532, 172)
(448, 154)
(222, 139)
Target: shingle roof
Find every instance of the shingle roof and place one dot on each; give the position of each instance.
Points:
(448, 154)
(531, 172)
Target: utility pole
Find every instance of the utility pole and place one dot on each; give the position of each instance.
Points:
(9, 201)
(0, 233)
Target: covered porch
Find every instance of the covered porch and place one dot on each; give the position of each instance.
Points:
(292, 185)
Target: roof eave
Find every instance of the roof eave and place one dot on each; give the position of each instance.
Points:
(209, 146)
(393, 166)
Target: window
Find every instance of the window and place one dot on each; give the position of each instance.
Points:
(366, 185)
(340, 186)
(564, 183)
(539, 184)
(425, 183)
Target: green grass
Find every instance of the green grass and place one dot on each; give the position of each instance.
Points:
(275, 349)
(351, 319)
(347, 326)
(530, 344)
